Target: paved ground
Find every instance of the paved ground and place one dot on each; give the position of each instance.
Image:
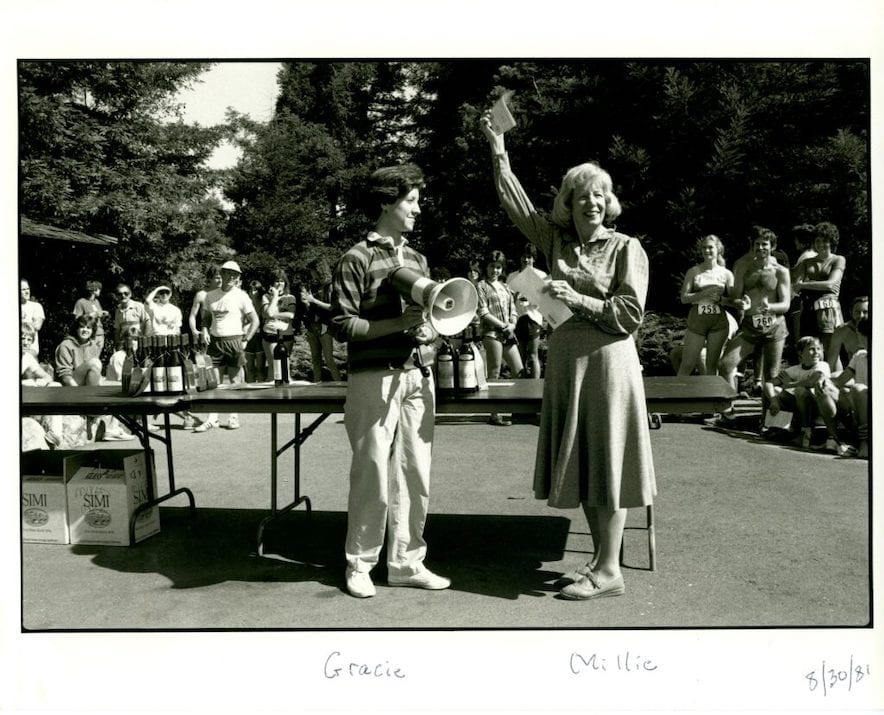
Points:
(748, 534)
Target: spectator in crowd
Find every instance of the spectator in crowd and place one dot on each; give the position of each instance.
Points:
(256, 361)
(594, 447)
(229, 322)
(195, 317)
(741, 265)
(31, 312)
(389, 412)
(131, 320)
(316, 300)
(165, 318)
(793, 389)
(128, 314)
(529, 323)
(77, 360)
(497, 311)
(705, 287)
(818, 284)
(32, 372)
(38, 432)
(279, 312)
(78, 363)
(762, 293)
(846, 338)
(91, 306)
(802, 237)
(846, 396)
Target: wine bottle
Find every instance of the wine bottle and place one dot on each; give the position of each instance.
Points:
(187, 360)
(128, 364)
(174, 367)
(445, 372)
(280, 361)
(158, 376)
(467, 380)
(144, 363)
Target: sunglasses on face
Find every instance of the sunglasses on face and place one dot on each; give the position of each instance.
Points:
(123, 294)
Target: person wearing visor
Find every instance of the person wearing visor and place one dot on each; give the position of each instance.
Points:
(229, 322)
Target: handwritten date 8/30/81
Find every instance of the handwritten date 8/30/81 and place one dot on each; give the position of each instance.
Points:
(828, 678)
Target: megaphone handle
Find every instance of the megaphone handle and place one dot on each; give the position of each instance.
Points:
(416, 356)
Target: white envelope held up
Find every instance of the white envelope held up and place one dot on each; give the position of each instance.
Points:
(501, 119)
(531, 285)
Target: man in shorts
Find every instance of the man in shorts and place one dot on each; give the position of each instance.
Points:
(229, 322)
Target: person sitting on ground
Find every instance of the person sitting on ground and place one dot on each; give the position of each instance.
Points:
(793, 388)
(846, 396)
(77, 364)
(703, 288)
(77, 359)
(46, 431)
(497, 310)
(32, 372)
(846, 338)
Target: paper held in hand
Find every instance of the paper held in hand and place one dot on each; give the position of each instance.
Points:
(531, 285)
(501, 119)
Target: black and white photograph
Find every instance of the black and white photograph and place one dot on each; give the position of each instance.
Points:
(406, 375)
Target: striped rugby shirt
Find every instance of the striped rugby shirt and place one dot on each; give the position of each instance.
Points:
(361, 292)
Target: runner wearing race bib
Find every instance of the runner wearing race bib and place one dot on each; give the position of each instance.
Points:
(764, 287)
(703, 288)
(818, 283)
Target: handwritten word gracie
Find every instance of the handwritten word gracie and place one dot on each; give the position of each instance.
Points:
(625, 662)
(338, 667)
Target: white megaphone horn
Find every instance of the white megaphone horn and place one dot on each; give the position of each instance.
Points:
(451, 305)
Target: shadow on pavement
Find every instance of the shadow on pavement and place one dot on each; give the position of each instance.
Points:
(498, 556)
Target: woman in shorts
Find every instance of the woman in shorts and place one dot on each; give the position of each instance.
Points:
(704, 287)
(818, 283)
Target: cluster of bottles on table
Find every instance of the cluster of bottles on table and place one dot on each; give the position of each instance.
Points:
(165, 365)
(170, 365)
(458, 364)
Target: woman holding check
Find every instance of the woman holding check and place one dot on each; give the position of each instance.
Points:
(594, 449)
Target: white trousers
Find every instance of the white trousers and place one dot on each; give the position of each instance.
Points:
(390, 417)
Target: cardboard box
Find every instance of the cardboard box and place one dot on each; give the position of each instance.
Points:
(103, 488)
(44, 508)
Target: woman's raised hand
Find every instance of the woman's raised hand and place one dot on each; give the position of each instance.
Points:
(494, 140)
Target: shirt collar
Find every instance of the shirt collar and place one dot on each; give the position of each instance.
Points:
(602, 235)
(385, 241)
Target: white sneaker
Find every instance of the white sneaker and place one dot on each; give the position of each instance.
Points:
(359, 584)
(206, 426)
(422, 579)
(110, 436)
(233, 422)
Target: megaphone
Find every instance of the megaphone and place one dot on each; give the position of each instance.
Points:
(451, 305)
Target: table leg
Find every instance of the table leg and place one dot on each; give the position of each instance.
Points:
(299, 438)
(144, 435)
